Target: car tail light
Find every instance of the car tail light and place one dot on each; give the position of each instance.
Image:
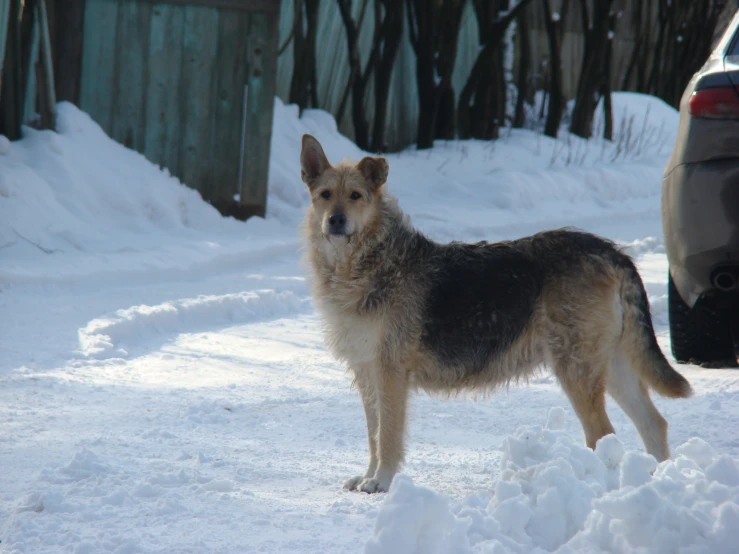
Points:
(715, 103)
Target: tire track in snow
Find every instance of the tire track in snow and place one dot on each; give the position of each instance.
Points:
(116, 335)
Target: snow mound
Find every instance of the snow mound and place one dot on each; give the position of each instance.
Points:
(555, 495)
(74, 203)
(640, 121)
(113, 336)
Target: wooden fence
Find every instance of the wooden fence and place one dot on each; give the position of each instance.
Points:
(181, 81)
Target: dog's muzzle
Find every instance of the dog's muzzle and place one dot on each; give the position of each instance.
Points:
(337, 224)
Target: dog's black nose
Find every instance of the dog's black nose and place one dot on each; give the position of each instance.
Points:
(336, 223)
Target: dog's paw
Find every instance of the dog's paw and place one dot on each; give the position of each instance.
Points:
(353, 483)
(373, 485)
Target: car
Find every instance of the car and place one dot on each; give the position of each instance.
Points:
(700, 213)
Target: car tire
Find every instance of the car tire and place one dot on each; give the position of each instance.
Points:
(699, 335)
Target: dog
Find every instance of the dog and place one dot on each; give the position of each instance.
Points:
(405, 312)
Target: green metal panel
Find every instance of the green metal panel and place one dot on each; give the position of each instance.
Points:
(163, 95)
(198, 64)
(262, 59)
(131, 74)
(98, 60)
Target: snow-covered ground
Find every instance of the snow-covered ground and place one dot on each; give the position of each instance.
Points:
(164, 387)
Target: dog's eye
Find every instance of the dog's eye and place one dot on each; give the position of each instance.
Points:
(355, 195)
(326, 194)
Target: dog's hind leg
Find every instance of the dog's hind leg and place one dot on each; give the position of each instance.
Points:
(365, 381)
(631, 393)
(586, 388)
(392, 400)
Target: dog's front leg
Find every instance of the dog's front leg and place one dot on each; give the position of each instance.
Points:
(392, 398)
(366, 381)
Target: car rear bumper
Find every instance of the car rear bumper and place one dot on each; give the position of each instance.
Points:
(700, 220)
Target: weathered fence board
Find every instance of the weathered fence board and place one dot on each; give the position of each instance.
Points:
(261, 79)
(45, 71)
(98, 60)
(198, 63)
(66, 19)
(229, 99)
(163, 94)
(29, 104)
(128, 123)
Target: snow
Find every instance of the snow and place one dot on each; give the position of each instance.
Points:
(555, 495)
(104, 337)
(164, 386)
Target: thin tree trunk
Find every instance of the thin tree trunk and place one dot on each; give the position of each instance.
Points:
(652, 84)
(556, 96)
(592, 75)
(643, 63)
(524, 62)
(605, 91)
(434, 32)
(639, 47)
(357, 78)
(303, 84)
(386, 52)
(481, 105)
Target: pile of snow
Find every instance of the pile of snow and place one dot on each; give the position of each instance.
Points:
(643, 125)
(488, 187)
(74, 203)
(555, 495)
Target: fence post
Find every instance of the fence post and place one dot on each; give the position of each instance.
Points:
(261, 83)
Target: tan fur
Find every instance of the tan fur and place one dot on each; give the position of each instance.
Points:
(581, 327)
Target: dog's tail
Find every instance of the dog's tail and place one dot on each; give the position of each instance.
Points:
(640, 343)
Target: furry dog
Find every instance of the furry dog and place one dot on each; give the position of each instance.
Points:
(403, 311)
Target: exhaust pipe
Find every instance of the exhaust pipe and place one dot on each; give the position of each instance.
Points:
(724, 281)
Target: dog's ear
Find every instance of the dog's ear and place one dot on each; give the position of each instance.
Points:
(313, 161)
(374, 170)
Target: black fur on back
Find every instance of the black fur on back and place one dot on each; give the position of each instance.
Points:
(479, 300)
(481, 296)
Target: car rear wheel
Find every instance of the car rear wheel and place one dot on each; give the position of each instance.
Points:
(700, 335)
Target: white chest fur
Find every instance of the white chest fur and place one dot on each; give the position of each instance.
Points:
(352, 338)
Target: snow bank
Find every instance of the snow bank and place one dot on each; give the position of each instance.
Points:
(555, 495)
(111, 336)
(488, 188)
(642, 124)
(75, 203)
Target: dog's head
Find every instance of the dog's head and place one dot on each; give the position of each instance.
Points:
(344, 198)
